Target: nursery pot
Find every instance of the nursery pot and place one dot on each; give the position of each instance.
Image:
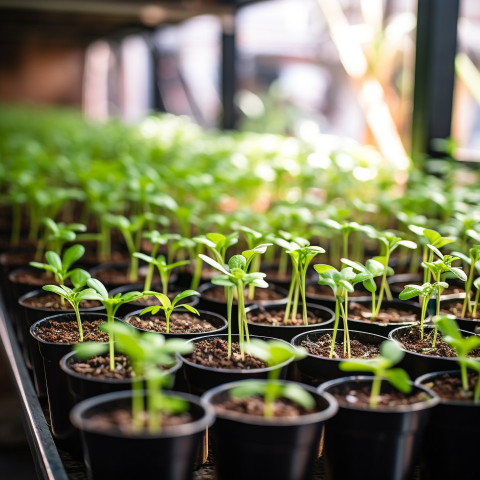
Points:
(451, 438)
(374, 444)
(381, 327)
(417, 364)
(200, 378)
(324, 315)
(314, 369)
(468, 324)
(110, 453)
(82, 387)
(252, 447)
(216, 320)
(59, 400)
(30, 315)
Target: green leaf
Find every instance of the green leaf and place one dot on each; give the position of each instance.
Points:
(410, 291)
(161, 297)
(399, 379)
(223, 280)
(213, 263)
(145, 258)
(190, 308)
(54, 260)
(237, 261)
(322, 268)
(459, 273)
(84, 350)
(184, 294)
(79, 277)
(71, 255)
(297, 394)
(448, 326)
(98, 286)
(55, 289)
(391, 351)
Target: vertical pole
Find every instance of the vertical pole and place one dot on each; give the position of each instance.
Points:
(436, 46)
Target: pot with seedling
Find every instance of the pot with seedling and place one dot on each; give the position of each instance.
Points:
(268, 428)
(175, 319)
(160, 427)
(452, 433)
(377, 432)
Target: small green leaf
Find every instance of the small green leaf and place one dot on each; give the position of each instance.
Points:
(71, 255)
(213, 263)
(54, 260)
(391, 351)
(84, 350)
(399, 379)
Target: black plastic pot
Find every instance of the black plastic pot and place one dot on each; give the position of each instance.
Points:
(374, 444)
(200, 378)
(451, 438)
(130, 307)
(219, 322)
(217, 306)
(383, 328)
(467, 324)
(255, 448)
(325, 315)
(82, 387)
(59, 400)
(168, 455)
(417, 364)
(313, 369)
(31, 315)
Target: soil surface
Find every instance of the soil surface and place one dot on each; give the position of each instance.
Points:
(411, 340)
(179, 323)
(359, 396)
(275, 317)
(455, 308)
(359, 311)
(98, 366)
(37, 278)
(120, 420)
(213, 353)
(52, 301)
(261, 295)
(67, 332)
(450, 387)
(320, 344)
(282, 407)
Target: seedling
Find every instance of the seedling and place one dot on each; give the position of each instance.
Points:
(169, 306)
(111, 304)
(340, 283)
(390, 355)
(462, 346)
(301, 254)
(147, 353)
(76, 294)
(273, 353)
(217, 244)
(235, 278)
(366, 275)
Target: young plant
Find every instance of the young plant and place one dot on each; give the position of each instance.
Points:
(366, 275)
(273, 353)
(169, 306)
(381, 367)
(111, 304)
(301, 254)
(75, 295)
(462, 346)
(147, 353)
(235, 277)
(218, 244)
(340, 283)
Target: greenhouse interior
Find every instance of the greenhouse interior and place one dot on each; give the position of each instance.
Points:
(241, 237)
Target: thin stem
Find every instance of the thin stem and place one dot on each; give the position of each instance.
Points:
(240, 308)
(335, 326)
(79, 320)
(137, 402)
(468, 287)
(475, 305)
(463, 373)
(288, 306)
(375, 392)
(229, 296)
(303, 275)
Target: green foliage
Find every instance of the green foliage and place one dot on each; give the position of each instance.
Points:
(381, 367)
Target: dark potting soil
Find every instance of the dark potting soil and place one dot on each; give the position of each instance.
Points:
(179, 323)
(52, 301)
(35, 278)
(282, 407)
(455, 308)
(275, 317)
(67, 332)
(120, 421)
(411, 340)
(320, 345)
(320, 291)
(213, 353)
(359, 396)
(261, 295)
(98, 366)
(449, 387)
(358, 311)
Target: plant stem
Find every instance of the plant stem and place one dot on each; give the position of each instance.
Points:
(346, 332)
(335, 326)
(425, 300)
(240, 309)
(303, 275)
(79, 320)
(154, 420)
(475, 305)
(468, 287)
(463, 374)
(137, 401)
(229, 297)
(375, 392)
(288, 306)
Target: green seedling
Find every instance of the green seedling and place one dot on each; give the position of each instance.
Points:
(169, 306)
(301, 254)
(147, 353)
(366, 275)
(340, 283)
(425, 292)
(462, 346)
(75, 295)
(164, 269)
(235, 277)
(111, 304)
(274, 353)
(381, 367)
(218, 244)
